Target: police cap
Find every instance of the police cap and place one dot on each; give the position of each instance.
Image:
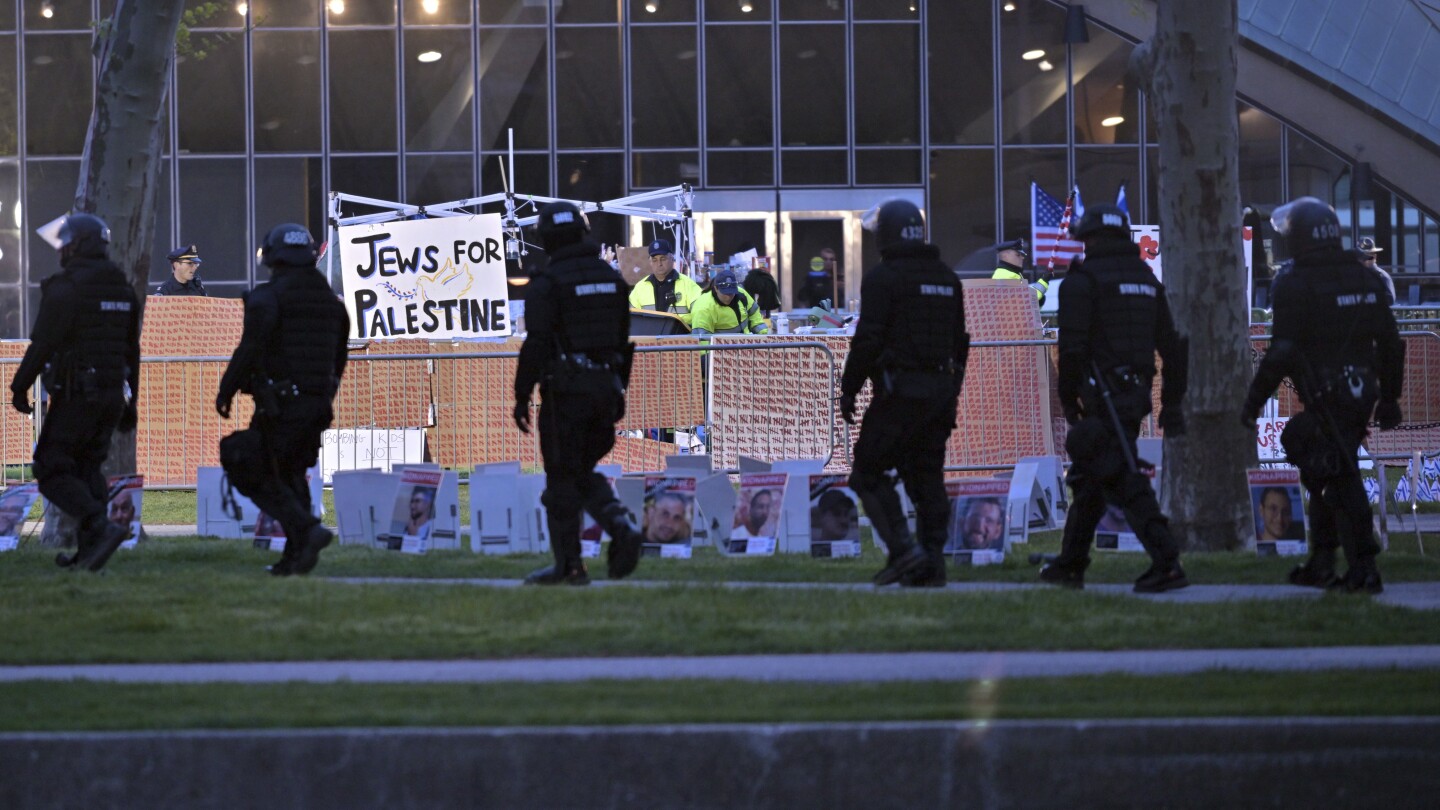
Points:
(1017, 245)
(184, 253)
(661, 247)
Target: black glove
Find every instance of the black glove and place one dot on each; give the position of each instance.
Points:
(1388, 415)
(20, 398)
(521, 415)
(1250, 413)
(129, 419)
(222, 406)
(1073, 412)
(847, 408)
(1172, 421)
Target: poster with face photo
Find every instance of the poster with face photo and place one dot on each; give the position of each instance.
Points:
(977, 520)
(669, 517)
(269, 534)
(413, 518)
(756, 525)
(1277, 500)
(834, 517)
(126, 493)
(15, 505)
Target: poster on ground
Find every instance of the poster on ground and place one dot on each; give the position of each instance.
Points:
(1277, 502)
(1113, 532)
(591, 535)
(15, 505)
(977, 520)
(412, 521)
(756, 525)
(669, 516)
(123, 508)
(435, 279)
(834, 517)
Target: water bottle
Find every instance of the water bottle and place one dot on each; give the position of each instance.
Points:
(782, 323)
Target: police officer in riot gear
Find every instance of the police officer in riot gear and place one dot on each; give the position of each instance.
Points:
(1335, 337)
(1113, 318)
(290, 359)
(87, 343)
(578, 351)
(911, 345)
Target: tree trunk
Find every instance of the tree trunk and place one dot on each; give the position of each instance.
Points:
(1189, 68)
(120, 166)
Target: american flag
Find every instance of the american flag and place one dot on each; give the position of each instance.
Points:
(1049, 221)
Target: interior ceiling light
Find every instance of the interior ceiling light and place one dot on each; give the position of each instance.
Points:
(1113, 121)
(337, 6)
(746, 6)
(430, 6)
(242, 9)
(47, 11)
(1030, 56)
(428, 56)
(1045, 65)
(652, 6)
(1009, 6)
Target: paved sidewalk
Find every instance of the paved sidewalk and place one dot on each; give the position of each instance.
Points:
(819, 668)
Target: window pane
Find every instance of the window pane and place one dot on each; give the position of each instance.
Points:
(287, 91)
(511, 12)
(59, 92)
(899, 167)
(1260, 159)
(11, 325)
(362, 91)
(437, 12)
(733, 11)
(740, 168)
(376, 177)
(814, 168)
(662, 11)
(738, 88)
(888, 9)
(289, 190)
(10, 223)
(513, 88)
(211, 96)
(1033, 90)
(812, 10)
(1044, 166)
(589, 88)
(887, 84)
(1314, 170)
(431, 179)
(1102, 92)
(588, 11)
(438, 93)
(64, 16)
(595, 178)
(962, 202)
(208, 186)
(663, 169)
(9, 108)
(7, 16)
(962, 106)
(49, 193)
(663, 87)
(360, 12)
(1100, 170)
(812, 85)
(532, 174)
(285, 13)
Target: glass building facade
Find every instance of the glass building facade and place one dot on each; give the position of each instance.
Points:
(789, 118)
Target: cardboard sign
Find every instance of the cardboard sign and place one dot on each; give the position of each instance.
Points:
(1277, 503)
(834, 517)
(15, 505)
(634, 263)
(437, 279)
(369, 449)
(978, 517)
(755, 528)
(669, 517)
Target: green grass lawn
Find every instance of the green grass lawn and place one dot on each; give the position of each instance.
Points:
(72, 706)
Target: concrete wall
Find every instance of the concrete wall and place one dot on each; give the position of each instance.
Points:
(1211, 764)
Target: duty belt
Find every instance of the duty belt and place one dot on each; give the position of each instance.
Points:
(584, 362)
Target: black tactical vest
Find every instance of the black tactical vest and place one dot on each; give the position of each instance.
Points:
(593, 303)
(1125, 302)
(312, 322)
(105, 311)
(925, 293)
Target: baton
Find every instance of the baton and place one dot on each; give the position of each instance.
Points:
(1114, 418)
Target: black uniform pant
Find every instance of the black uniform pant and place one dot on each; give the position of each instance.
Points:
(576, 431)
(1099, 475)
(290, 446)
(1340, 513)
(908, 435)
(74, 442)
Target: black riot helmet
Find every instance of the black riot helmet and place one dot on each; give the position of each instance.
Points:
(1307, 224)
(561, 224)
(289, 244)
(894, 221)
(83, 235)
(1101, 219)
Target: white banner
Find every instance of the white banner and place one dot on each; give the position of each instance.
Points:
(428, 278)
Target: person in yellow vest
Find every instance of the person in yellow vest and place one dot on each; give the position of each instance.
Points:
(727, 309)
(1010, 264)
(665, 290)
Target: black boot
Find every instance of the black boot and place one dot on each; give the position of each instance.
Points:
(1162, 577)
(1315, 573)
(908, 560)
(623, 556)
(931, 574)
(1363, 577)
(98, 538)
(1071, 575)
(311, 544)
(285, 566)
(570, 573)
